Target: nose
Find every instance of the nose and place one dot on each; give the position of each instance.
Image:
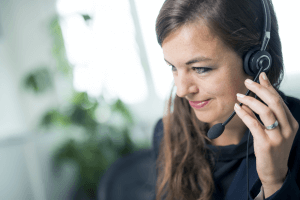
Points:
(185, 85)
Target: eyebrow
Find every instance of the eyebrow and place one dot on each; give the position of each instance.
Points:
(194, 60)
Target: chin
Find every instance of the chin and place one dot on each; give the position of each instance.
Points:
(211, 119)
(204, 118)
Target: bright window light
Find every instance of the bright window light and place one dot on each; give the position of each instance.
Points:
(105, 53)
(287, 17)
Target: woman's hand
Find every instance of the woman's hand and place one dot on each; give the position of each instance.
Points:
(271, 147)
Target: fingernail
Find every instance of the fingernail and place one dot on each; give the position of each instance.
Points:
(249, 81)
(237, 106)
(240, 95)
(264, 76)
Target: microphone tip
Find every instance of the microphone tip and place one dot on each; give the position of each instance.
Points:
(215, 131)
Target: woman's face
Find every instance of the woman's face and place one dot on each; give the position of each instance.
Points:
(192, 46)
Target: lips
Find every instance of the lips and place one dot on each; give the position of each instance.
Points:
(199, 104)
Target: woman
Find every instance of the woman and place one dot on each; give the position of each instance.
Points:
(204, 42)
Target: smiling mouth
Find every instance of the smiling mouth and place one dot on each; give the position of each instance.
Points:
(199, 104)
(202, 102)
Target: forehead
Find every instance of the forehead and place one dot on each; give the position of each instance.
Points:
(190, 40)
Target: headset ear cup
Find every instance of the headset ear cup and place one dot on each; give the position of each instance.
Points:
(260, 59)
(247, 60)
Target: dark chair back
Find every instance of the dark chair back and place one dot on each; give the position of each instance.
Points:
(130, 178)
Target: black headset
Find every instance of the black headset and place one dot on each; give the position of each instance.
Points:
(258, 57)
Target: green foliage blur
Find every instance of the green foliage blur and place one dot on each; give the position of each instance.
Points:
(104, 142)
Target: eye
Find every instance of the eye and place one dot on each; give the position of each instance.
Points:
(200, 70)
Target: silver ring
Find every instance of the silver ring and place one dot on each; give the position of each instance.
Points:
(272, 126)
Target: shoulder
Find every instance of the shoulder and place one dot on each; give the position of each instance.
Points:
(293, 104)
(157, 137)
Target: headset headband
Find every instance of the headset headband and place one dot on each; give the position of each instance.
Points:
(267, 26)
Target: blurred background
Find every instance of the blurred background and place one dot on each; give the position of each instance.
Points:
(82, 84)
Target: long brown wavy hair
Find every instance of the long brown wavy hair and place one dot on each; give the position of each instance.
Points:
(184, 164)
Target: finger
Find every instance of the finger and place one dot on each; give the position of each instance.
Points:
(270, 96)
(265, 113)
(250, 112)
(252, 123)
(290, 118)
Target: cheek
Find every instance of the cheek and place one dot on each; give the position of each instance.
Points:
(223, 85)
(226, 89)
(217, 88)
(238, 80)
(237, 83)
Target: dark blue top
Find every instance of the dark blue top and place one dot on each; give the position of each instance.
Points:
(230, 170)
